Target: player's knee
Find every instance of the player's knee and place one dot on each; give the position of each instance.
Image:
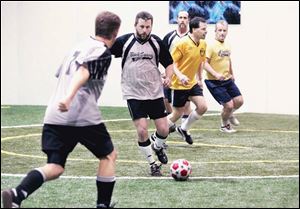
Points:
(164, 132)
(201, 110)
(204, 109)
(142, 132)
(53, 171)
(240, 102)
(228, 107)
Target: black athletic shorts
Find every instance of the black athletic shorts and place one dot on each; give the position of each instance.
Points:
(58, 141)
(154, 109)
(180, 97)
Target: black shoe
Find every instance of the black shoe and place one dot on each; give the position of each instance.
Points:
(172, 128)
(7, 199)
(155, 170)
(185, 136)
(161, 155)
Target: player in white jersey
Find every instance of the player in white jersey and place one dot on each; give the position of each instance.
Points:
(142, 85)
(73, 117)
(170, 40)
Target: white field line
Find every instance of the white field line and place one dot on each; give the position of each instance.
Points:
(105, 121)
(165, 177)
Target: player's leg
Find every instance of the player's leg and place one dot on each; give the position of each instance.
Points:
(97, 139)
(187, 111)
(157, 112)
(219, 90)
(34, 179)
(179, 99)
(237, 99)
(225, 115)
(159, 139)
(201, 108)
(139, 116)
(196, 96)
(168, 100)
(106, 178)
(237, 103)
(56, 159)
(174, 117)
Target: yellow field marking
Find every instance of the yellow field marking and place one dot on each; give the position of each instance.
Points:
(272, 131)
(249, 161)
(19, 137)
(169, 142)
(209, 145)
(212, 129)
(5, 107)
(144, 162)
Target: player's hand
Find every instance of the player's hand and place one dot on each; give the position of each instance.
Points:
(184, 80)
(219, 77)
(64, 105)
(166, 82)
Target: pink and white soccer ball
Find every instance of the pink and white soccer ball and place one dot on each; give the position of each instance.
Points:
(180, 169)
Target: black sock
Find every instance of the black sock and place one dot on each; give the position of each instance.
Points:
(29, 184)
(105, 190)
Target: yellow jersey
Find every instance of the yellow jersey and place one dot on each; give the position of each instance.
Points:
(187, 55)
(219, 55)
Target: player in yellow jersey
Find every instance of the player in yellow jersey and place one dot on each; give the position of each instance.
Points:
(188, 56)
(220, 79)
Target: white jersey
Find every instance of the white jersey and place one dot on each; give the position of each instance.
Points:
(84, 111)
(172, 38)
(141, 78)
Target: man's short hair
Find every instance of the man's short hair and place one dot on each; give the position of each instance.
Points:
(107, 24)
(222, 22)
(143, 15)
(194, 23)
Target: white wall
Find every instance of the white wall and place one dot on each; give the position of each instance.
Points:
(35, 37)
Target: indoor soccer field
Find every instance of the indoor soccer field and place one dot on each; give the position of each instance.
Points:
(258, 166)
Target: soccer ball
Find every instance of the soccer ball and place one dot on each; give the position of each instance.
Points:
(180, 169)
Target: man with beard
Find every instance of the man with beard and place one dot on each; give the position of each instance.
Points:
(170, 40)
(142, 85)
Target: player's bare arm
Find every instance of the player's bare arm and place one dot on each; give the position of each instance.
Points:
(80, 78)
(209, 69)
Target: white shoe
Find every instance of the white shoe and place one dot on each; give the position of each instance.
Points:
(227, 129)
(234, 121)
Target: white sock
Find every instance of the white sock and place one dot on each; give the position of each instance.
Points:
(224, 122)
(232, 112)
(159, 141)
(147, 152)
(183, 118)
(170, 123)
(190, 120)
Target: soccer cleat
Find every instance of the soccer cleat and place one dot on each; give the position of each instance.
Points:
(234, 121)
(172, 128)
(7, 199)
(185, 135)
(227, 129)
(155, 170)
(161, 155)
